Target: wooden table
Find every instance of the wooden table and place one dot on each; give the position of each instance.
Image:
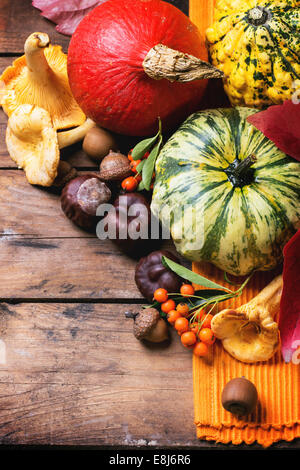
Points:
(71, 372)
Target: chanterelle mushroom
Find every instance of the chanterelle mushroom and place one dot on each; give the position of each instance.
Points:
(34, 144)
(250, 333)
(40, 78)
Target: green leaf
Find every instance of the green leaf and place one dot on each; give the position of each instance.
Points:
(145, 145)
(149, 166)
(141, 186)
(190, 275)
(139, 168)
(142, 147)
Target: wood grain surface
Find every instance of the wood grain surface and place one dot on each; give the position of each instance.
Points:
(74, 374)
(71, 371)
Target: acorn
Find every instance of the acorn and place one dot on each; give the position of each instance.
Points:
(148, 325)
(98, 142)
(239, 396)
(115, 167)
(81, 198)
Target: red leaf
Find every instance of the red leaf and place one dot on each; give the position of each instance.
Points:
(281, 124)
(289, 320)
(66, 13)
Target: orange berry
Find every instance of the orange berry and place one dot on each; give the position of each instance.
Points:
(161, 295)
(134, 164)
(181, 325)
(167, 306)
(172, 316)
(199, 315)
(188, 338)
(195, 327)
(130, 155)
(206, 335)
(146, 155)
(207, 320)
(186, 290)
(200, 349)
(183, 309)
(129, 184)
(138, 177)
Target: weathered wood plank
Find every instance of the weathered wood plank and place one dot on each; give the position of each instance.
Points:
(31, 211)
(74, 268)
(46, 256)
(75, 374)
(18, 19)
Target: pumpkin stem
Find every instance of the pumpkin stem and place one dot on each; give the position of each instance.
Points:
(239, 172)
(164, 62)
(258, 16)
(243, 166)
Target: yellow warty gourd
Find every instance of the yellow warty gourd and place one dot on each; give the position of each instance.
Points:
(257, 46)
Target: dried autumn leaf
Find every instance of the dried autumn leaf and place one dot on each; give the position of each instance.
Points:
(67, 14)
(281, 124)
(289, 320)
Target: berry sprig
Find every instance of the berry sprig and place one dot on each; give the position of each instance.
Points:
(194, 327)
(143, 157)
(190, 311)
(131, 183)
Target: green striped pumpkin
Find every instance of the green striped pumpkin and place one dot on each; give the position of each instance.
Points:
(238, 219)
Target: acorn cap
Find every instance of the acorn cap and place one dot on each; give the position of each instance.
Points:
(145, 321)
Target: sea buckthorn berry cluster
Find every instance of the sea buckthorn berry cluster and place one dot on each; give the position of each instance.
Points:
(131, 183)
(193, 326)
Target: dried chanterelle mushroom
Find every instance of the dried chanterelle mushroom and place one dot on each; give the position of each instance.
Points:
(249, 333)
(40, 78)
(34, 144)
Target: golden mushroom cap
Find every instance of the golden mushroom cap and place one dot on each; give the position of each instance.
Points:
(32, 143)
(249, 333)
(246, 340)
(40, 78)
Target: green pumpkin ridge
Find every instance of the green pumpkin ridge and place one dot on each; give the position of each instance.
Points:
(244, 227)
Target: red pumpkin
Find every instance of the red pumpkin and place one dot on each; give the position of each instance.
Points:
(105, 66)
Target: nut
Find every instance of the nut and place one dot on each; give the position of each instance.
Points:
(149, 325)
(150, 274)
(115, 167)
(65, 173)
(131, 216)
(98, 142)
(81, 197)
(239, 396)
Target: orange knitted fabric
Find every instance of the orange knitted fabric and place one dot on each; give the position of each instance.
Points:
(277, 416)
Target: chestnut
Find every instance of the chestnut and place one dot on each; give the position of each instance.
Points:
(150, 274)
(128, 224)
(81, 197)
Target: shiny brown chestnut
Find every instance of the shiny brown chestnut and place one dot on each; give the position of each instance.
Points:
(81, 197)
(129, 224)
(150, 274)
